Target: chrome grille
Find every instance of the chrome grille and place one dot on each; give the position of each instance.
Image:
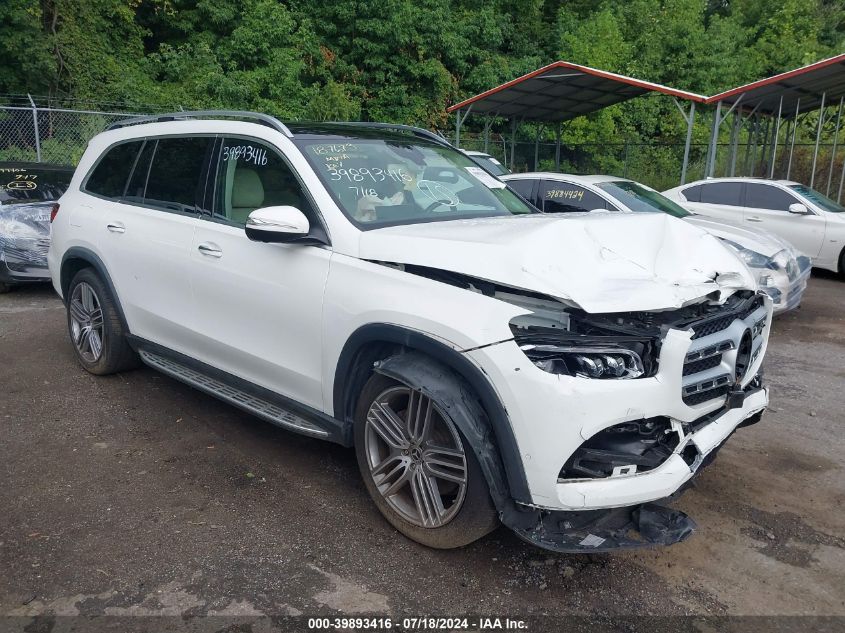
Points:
(710, 366)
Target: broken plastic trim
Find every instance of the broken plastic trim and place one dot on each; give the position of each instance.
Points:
(593, 531)
(623, 449)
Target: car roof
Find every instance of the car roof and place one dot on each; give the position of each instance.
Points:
(550, 175)
(218, 121)
(764, 181)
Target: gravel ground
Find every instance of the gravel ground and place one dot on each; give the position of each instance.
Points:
(134, 494)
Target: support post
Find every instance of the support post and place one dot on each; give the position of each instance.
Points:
(775, 143)
(841, 181)
(714, 139)
(818, 138)
(690, 119)
(737, 124)
(833, 153)
(457, 128)
(513, 142)
(35, 128)
(537, 146)
(756, 135)
(792, 142)
(765, 145)
(557, 147)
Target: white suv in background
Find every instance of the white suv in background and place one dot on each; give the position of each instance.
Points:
(806, 218)
(370, 285)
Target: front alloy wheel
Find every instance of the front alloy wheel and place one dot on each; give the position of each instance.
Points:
(418, 467)
(415, 456)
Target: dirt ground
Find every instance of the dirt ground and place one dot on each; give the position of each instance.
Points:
(134, 494)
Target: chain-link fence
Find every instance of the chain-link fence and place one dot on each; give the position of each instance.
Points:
(50, 133)
(659, 164)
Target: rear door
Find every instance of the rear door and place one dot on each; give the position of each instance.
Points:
(720, 200)
(767, 207)
(568, 197)
(147, 235)
(258, 307)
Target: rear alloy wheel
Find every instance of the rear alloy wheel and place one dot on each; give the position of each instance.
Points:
(417, 469)
(86, 322)
(95, 328)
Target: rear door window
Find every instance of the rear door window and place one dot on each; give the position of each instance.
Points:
(109, 177)
(174, 180)
(726, 193)
(759, 196)
(565, 197)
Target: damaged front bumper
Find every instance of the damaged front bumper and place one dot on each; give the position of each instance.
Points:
(690, 454)
(625, 524)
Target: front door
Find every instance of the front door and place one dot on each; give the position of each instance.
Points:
(258, 307)
(767, 207)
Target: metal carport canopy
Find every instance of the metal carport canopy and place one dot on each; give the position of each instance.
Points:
(563, 91)
(801, 89)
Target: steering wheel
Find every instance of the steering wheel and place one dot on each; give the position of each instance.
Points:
(430, 208)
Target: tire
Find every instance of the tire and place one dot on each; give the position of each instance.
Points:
(842, 263)
(468, 512)
(96, 332)
(4, 288)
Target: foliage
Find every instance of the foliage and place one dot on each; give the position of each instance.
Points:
(403, 60)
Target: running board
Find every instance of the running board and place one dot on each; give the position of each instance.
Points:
(237, 397)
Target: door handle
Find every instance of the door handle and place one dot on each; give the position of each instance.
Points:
(754, 219)
(116, 227)
(209, 249)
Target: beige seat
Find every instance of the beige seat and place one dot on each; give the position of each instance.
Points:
(247, 195)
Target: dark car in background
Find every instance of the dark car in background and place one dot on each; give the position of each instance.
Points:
(27, 194)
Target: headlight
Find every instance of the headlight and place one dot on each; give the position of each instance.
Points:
(588, 362)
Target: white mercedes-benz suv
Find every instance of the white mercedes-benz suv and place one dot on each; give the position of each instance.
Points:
(370, 285)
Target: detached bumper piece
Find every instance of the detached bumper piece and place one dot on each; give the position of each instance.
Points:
(595, 531)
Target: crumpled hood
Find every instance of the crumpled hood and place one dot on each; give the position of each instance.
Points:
(602, 262)
(757, 240)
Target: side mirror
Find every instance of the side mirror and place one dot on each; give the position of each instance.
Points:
(277, 224)
(799, 209)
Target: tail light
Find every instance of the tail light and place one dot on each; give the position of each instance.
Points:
(54, 211)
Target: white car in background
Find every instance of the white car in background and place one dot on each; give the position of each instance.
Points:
(780, 271)
(806, 218)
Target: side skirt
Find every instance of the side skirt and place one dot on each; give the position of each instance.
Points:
(258, 401)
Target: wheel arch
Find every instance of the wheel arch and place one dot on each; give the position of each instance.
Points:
(497, 450)
(75, 259)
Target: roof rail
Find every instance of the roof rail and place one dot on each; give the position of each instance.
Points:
(416, 131)
(264, 119)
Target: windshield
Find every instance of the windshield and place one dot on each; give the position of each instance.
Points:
(27, 184)
(818, 198)
(380, 182)
(641, 199)
(490, 164)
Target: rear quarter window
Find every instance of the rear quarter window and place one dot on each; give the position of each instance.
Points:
(692, 194)
(109, 177)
